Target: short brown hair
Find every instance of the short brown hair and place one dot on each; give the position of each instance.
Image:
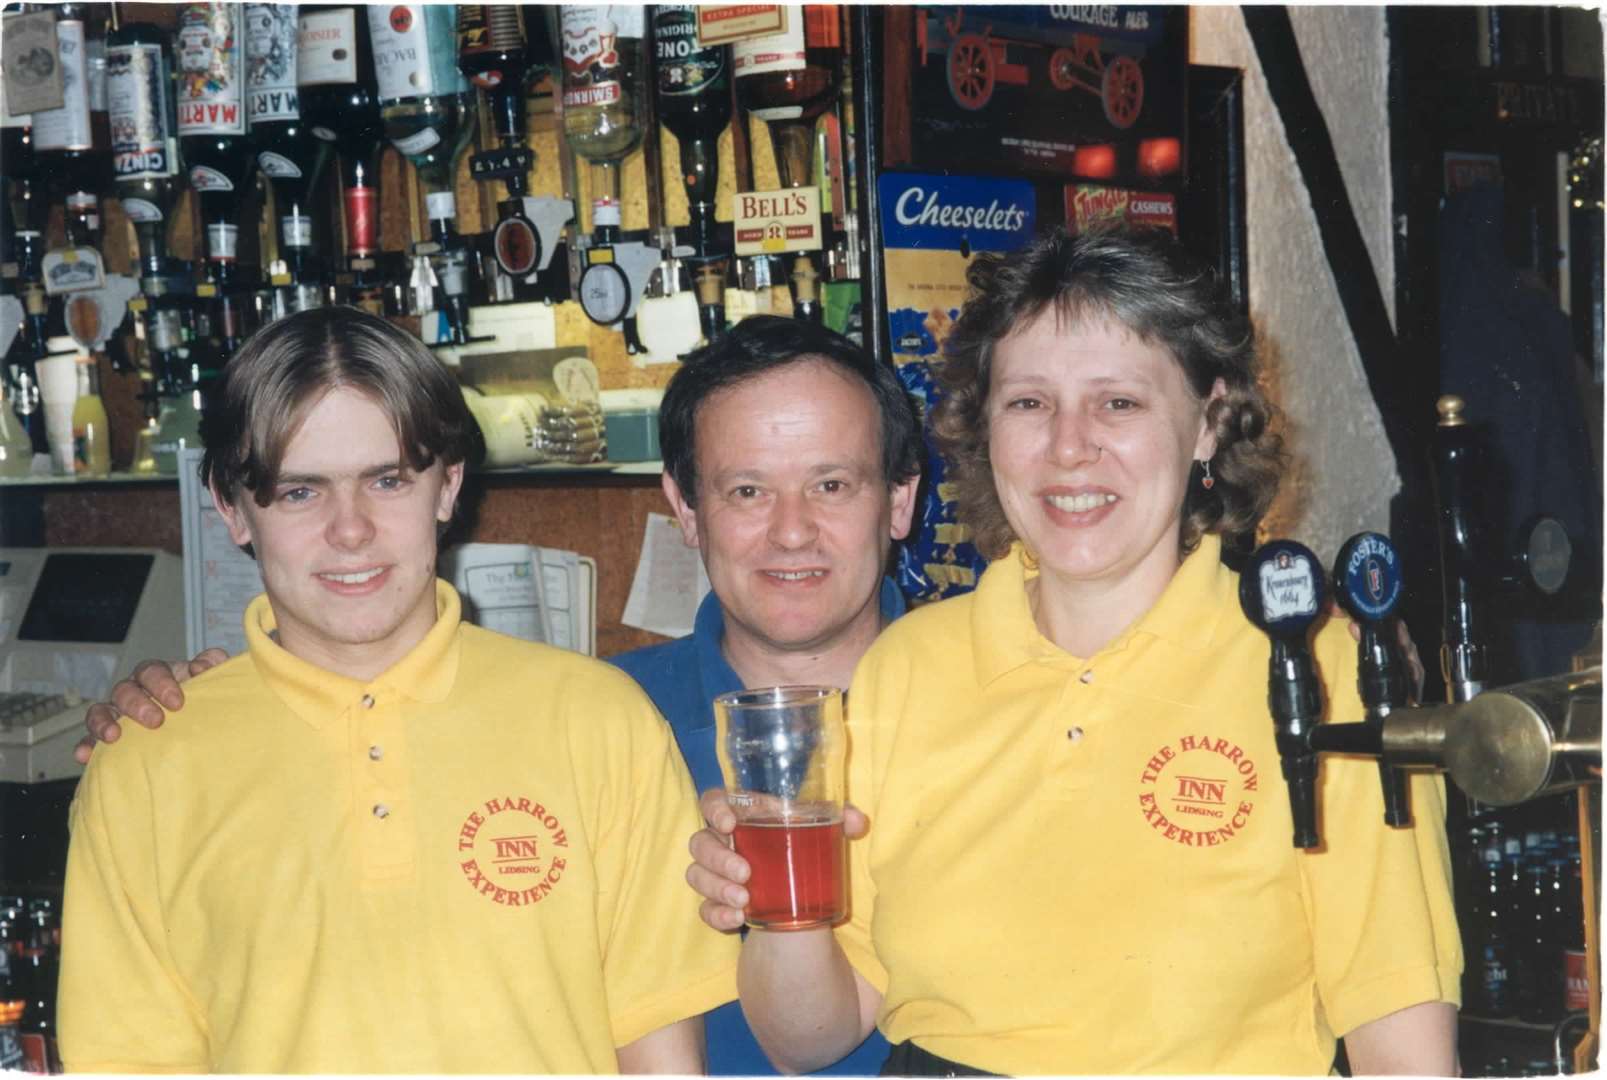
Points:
(266, 388)
(1146, 282)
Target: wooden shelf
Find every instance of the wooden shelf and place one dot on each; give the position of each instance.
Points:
(642, 472)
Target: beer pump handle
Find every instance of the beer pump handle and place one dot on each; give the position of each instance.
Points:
(1282, 592)
(1368, 586)
(1463, 657)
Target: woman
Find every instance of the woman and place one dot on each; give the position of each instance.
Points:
(1079, 859)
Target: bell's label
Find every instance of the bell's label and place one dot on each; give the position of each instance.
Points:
(271, 31)
(211, 71)
(769, 222)
(326, 48)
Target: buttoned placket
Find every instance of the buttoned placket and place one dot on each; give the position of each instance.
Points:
(378, 746)
(1074, 729)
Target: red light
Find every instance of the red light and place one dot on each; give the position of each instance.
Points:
(1094, 161)
(1160, 157)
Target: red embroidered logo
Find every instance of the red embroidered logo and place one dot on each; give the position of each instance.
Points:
(513, 851)
(1199, 791)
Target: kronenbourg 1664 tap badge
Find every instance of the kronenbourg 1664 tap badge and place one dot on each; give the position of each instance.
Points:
(1288, 587)
(931, 226)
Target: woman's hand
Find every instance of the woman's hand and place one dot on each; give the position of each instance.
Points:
(719, 874)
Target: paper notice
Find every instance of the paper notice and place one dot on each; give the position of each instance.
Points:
(501, 588)
(220, 580)
(669, 583)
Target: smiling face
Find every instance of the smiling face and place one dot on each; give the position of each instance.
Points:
(793, 513)
(1091, 436)
(347, 542)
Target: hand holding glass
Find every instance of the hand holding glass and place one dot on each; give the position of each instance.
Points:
(783, 752)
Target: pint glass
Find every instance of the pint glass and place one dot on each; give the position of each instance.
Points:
(783, 752)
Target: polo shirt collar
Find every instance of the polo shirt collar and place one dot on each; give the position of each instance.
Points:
(1187, 615)
(426, 674)
(708, 631)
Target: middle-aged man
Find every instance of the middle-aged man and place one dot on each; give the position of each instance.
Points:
(791, 461)
(382, 839)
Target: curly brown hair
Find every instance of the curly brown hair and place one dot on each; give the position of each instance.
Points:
(1145, 281)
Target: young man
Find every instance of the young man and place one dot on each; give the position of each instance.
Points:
(791, 461)
(382, 839)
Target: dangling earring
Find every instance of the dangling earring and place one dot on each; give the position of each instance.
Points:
(1207, 481)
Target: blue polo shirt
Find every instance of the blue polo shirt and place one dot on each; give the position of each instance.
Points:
(683, 677)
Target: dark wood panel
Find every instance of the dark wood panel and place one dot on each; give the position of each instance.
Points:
(603, 520)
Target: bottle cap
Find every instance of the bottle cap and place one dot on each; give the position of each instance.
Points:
(604, 212)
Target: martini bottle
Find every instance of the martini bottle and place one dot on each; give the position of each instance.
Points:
(286, 151)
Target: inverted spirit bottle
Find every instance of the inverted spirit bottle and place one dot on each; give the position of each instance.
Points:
(427, 110)
(339, 100)
(212, 125)
(145, 158)
(603, 61)
(694, 103)
(287, 152)
(494, 50)
(788, 80)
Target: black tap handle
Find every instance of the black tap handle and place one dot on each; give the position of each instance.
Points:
(1456, 453)
(1368, 586)
(1281, 591)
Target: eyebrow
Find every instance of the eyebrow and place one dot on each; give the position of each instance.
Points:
(370, 473)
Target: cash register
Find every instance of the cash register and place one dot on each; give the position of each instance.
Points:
(72, 622)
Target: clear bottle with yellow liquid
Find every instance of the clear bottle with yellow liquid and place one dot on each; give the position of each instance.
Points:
(92, 449)
(16, 446)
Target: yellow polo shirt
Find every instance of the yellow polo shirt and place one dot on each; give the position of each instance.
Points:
(1085, 865)
(473, 863)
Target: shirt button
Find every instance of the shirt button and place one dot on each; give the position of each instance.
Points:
(368, 701)
(381, 810)
(375, 753)
(1074, 734)
(1087, 676)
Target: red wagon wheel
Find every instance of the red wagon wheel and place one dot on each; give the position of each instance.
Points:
(1122, 91)
(1063, 69)
(970, 71)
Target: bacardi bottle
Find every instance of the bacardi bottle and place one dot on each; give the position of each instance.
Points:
(428, 113)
